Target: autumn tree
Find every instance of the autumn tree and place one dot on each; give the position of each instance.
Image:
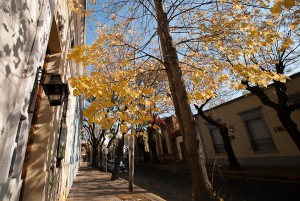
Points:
(153, 19)
(96, 130)
(113, 79)
(160, 22)
(154, 76)
(206, 87)
(254, 45)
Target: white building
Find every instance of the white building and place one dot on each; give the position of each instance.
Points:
(35, 37)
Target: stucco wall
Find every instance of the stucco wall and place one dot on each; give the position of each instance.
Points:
(19, 21)
(286, 152)
(25, 31)
(22, 36)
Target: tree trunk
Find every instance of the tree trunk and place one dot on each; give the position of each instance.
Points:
(95, 156)
(118, 158)
(131, 161)
(284, 110)
(202, 189)
(290, 126)
(152, 145)
(145, 154)
(233, 162)
(101, 153)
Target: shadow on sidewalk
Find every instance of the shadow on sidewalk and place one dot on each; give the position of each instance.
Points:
(91, 184)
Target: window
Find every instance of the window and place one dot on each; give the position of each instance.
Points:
(62, 135)
(14, 163)
(258, 133)
(217, 140)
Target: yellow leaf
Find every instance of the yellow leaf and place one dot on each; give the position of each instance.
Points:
(288, 4)
(286, 44)
(155, 127)
(270, 23)
(282, 79)
(263, 83)
(276, 77)
(294, 25)
(276, 9)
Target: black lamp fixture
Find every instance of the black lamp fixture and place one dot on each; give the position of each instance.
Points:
(55, 89)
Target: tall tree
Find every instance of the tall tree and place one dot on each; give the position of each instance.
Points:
(228, 38)
(115, 84)
(202, 189)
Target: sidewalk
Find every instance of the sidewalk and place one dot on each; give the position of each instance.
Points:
(96, 185)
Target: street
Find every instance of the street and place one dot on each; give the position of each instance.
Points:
(175, 185)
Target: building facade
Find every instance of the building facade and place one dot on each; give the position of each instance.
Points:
(39, 143)
(257, 136)
(169, 141)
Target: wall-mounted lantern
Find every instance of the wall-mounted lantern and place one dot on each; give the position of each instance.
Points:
(55, 89)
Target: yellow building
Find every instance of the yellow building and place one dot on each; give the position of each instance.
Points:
(257, 136)
(39, 142)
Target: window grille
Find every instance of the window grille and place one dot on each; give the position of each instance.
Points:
(34, 91)
(62, 140)
(258, 132)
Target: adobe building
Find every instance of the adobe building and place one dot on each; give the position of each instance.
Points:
(40, 133)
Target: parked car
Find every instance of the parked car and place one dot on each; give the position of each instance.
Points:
(110, 166)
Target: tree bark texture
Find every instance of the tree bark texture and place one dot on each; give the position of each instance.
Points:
(131, 161)
(152, 145)
(101, 152)
(284, 112)
(118, 158)
(94, 141)
(290, 126)
(202, 189)
(95, 156)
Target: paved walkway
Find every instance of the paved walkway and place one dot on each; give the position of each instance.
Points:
(96, 185)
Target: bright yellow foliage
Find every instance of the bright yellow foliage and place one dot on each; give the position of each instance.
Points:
(238, 43)
(115, 80)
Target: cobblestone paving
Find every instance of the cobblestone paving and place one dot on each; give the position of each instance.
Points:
(175, 185)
